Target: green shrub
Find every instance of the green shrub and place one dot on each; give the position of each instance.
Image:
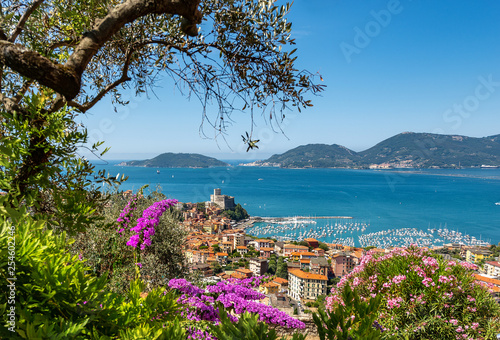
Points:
(248, 327)
(423, 296)
(58, 297)
(354, 319)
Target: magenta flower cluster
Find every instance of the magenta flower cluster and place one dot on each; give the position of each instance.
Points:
(127, 214)
(416, 285)
(147, 223)
(199, 334)
(237, 296)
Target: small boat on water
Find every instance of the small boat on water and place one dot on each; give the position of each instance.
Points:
(497, 203)
(158, 172)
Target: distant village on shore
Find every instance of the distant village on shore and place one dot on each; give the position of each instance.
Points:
(217, 248)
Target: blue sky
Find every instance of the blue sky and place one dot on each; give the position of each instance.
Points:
(389, 66)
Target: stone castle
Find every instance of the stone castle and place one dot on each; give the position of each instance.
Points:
(223, 201)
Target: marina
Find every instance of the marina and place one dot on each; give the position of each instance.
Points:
(352, 232)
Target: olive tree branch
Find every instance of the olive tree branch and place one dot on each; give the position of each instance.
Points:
(24, 18)
(66, 79)
(124, 77)
(11, 105)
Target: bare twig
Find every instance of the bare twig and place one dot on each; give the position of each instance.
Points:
(87, 106)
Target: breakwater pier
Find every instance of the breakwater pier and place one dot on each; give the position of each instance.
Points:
(295, 218)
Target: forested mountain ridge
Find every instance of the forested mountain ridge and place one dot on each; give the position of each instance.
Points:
(407, 149)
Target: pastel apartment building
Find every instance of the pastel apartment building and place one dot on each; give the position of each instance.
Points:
(246, 272)
(227, 247)
(262, 243)
(492, 268)
(307, 255)
(474, 255)
(242, 250)
(342, 263)
(302, 285)
(201, 256)
(266, 252)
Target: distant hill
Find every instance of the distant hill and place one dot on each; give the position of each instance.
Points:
(316, 156)
(424, 150)
(177, 160)
(408, 149)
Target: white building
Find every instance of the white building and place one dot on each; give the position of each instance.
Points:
(303, 285)
(492, 268)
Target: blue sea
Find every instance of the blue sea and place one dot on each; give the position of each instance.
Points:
(460, 202)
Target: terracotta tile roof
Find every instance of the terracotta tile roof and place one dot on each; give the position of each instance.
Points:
(241, 247)
(289, 245)
(244, 270)
(270, 285)
(266, 248)
(237, 275)
(487, 279)
(307, 253)
(305, 261)
(304, 275)
(310, 240)
(222, 254)
(280, 280)
(493, 263)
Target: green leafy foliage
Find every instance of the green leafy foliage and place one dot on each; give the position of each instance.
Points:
(282, 268)
(423, 296)
(39, 164)
(237, 213)
(57, 297)
(323, 246)
(248, 327)
(272, 265)
(354, 320)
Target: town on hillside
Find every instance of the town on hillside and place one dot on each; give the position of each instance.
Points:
(301, 273)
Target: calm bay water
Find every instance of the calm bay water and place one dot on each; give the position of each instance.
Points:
(461, 200)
